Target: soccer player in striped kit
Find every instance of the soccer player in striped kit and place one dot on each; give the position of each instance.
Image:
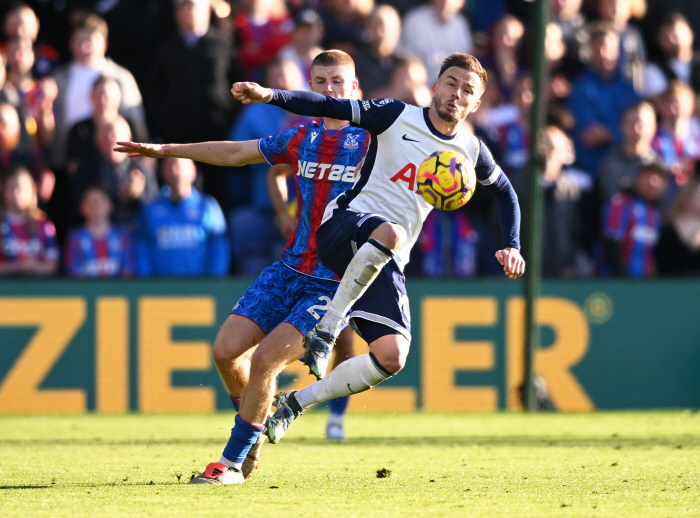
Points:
(289, 297)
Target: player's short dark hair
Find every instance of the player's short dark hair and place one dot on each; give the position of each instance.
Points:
(467, 62)
(333, 58)
(93, 23)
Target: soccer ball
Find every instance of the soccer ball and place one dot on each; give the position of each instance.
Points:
(446, 180)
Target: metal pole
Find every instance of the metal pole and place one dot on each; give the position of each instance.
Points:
(535, 170)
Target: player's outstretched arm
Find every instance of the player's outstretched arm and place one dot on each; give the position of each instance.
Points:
(251, 93)
(512, 261)
(227, 153)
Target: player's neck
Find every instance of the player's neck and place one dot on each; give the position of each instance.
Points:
(333, 124)
(444, 127)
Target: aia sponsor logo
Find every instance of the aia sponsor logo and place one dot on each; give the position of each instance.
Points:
(407, 175)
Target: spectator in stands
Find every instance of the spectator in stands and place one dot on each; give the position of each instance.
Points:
(677, 139)
(408, 83)
(563, 67)
(189, 95)
(620, 167)
(88, 45)
(306, 38)
(263, 29)
(22, 22)
(632, 48)
(434, 31)
(564, 224)
(344, 21)
(27, 237)
(631, 224)
(677, 59)
(375, 61)
(36, 97)
(182, 233)
(598, 99)
(35, 100)
(98, 249)
(511, 127)
(12, 154)
(505, 59)
(678, 251)
(449, 245)
(130, 182)
(254, 240)
(105, 98)
(568, 16)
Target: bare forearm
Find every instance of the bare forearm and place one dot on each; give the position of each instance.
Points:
(216, 153)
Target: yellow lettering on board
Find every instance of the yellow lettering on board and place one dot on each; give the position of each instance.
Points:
(442, 355)
(112, 355)
(57, 319)
(552, 363)
(159, 355)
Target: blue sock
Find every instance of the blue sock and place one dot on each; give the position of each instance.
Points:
(243, 436)
(236, 403)
(339, 405)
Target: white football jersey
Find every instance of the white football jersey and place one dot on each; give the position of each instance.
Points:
(401, 137)
(387, 183)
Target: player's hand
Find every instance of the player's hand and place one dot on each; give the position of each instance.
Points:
(512, 261)
(136, 149)
(251, 93)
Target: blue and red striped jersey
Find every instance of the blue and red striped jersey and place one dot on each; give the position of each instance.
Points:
(325, 162)
(22, 239)
(636, 224)
(110, 255)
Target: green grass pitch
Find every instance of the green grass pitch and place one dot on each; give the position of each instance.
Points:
(635, 464)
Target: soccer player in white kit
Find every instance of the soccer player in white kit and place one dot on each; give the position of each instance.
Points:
(368, 232)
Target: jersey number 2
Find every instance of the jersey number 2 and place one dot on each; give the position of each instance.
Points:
(312, 309)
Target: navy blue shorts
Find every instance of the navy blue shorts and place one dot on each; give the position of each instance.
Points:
(383, 308)
(281, 294)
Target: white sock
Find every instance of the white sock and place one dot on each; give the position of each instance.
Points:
(362, 270)
(350, 377)
(230, 463)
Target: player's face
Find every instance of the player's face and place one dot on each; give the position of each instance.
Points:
(334, 81)
(456, 94)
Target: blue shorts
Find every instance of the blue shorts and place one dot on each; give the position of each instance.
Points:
(383, 308)
(281, 294)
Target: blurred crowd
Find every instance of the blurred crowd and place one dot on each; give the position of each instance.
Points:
(622, 176)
